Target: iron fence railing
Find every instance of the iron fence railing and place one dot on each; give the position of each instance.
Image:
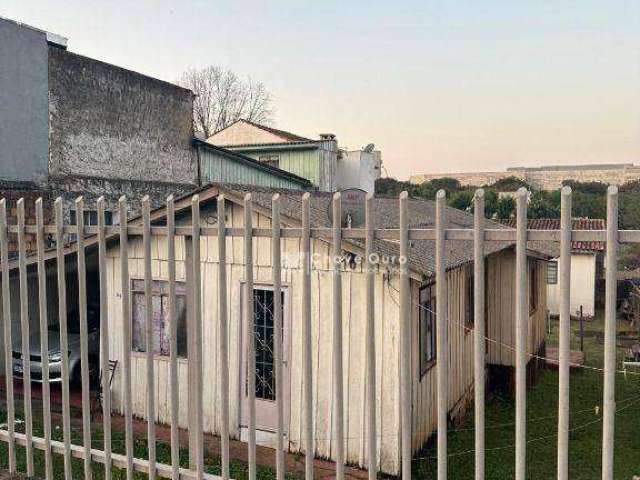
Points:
(144, 226)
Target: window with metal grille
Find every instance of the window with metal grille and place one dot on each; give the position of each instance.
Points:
(264, 328)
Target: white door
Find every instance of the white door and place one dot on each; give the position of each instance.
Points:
(264, 329)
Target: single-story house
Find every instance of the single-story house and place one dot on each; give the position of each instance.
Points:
(587, 260)
(500, 324)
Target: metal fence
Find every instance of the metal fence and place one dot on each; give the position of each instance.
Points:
(142, 226)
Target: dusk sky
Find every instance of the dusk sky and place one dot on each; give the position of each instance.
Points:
(437, 85)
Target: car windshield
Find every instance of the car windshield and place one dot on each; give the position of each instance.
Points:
(73, 322)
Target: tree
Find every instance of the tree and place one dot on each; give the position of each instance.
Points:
(392, 187)
(509, 184)
(445, 183)
(222, 98)
(462, 200)
(505, 207)
(544, 204)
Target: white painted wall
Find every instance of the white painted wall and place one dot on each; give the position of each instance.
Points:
(583, 285)
(359, 169)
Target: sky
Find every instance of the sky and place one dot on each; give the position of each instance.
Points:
(438, 86)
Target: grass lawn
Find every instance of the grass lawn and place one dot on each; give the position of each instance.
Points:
(585, 439)
(238, 469)
(542, 405)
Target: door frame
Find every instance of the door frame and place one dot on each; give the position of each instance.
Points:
(286, 347)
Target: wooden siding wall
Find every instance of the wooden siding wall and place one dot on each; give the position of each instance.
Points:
(218, 168)
(501, 309)
(460, 359)
(354, 343)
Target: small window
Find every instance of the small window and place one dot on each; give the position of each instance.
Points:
(552, 272)
(533, 287)
(271, 160)
(161, 340)
(91, 217)
(427, 327)
(469, 318)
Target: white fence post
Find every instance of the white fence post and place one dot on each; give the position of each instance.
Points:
(609, 395)
(372, 450)
(338, 381)
(8, 338)
(84, 339)
(442, 342)
(126, 333)
(522, 322)
(564, 351)
(306, 337)
(44, 340)
(250, 333)
(223, 334)
(479, 332)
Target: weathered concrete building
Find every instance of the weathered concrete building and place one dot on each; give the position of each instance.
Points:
(545, 178)
(71, 125)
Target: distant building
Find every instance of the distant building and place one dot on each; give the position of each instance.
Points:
(545, 178)
(320, 161)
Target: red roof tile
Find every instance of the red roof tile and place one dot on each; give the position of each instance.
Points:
(577, 224)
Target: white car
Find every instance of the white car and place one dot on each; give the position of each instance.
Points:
(55, 354)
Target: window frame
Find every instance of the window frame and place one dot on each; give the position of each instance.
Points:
(181, 291)
(427, 364)
(271, 159)
(534, 300)
(88, 213)
(555, 269)
(470, 300)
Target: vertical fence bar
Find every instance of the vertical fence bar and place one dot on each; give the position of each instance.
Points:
(405, 339)
(609, 396)
(197, 310)
(479, 332)
(442, 344)
(173, 353)
(8, 336)
(306, 337)
(104, 338)
(370, 339)
(338, 398)
(250, 345)
(565, 333)
(224, 336)
(24, 325)
(64, 338)
(148, 295)
(521, 335)
(277, 307)
(84, 336)
(44, 340)
(126, 333)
